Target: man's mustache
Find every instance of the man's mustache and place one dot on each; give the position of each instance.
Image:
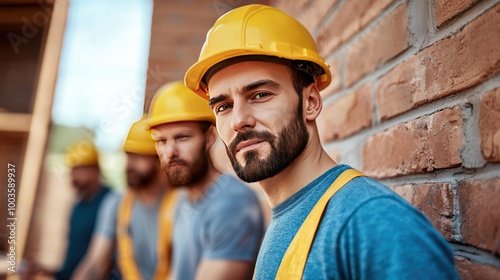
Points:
(175, 161)
(248, 135)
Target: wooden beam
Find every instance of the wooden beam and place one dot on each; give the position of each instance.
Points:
(15, 122)
(40, 122)
(24, 2)
(21, 15)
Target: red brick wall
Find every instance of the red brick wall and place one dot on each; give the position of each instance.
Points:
(415, 102)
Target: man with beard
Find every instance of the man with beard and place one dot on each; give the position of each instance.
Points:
(261, 71)
(139, 226)
(218, 221)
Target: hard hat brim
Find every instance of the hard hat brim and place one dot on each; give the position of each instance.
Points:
(193, 78)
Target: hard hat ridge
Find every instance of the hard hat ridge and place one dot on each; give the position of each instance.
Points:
(174, 102)
(256, 30)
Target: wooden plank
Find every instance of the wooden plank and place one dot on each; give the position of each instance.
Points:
(33, 160)
(15, 122)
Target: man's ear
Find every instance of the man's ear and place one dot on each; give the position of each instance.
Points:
(211, 136)
(312, 102)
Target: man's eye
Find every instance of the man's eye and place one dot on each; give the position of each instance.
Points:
(261, 94)
(161, 141)
(222, 108)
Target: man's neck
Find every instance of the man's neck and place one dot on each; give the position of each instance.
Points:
(198, 189)
(312, 163)
(149, 194)
(94, 189)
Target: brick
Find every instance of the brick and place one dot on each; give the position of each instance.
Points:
(396, 90)
(489, 125)
(351, 18)
(425, 144)
(471, 271)
(478, 206)
(451, 65)
(378, 45)
(292, 8)
(335, 84)
(347, 115)
(435, 200)
(315, 13)
(447, 9)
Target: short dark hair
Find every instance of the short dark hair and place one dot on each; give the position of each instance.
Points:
(300, 80)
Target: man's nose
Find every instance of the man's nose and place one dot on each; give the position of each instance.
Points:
(242, 117)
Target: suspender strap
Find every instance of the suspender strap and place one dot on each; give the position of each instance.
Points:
(166, 220)
(126, 260)
(294, 261)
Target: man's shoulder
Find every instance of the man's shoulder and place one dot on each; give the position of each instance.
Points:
(364, 195)
(231, 194)
(360, 190)
(112, 200)
(229, 186)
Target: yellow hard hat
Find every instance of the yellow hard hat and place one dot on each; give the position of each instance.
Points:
(139, 139)
(82, 153)
(255, 30)
(174, 102)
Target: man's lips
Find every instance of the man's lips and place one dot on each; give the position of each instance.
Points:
(175, 163)
(247, 144)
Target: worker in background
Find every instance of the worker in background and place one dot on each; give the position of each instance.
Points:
(139, 226)
(218, 222)
(82, 158)
(262, 74)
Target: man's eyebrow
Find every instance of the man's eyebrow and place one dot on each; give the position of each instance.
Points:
(258, 84)
(217, 99)
(244, 89)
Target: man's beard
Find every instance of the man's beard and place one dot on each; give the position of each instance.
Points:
(186, 173)
(137, 180)
(290, 143)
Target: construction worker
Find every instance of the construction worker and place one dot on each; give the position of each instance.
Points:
(138, 226)
(261, 72)
(82, 158)
(218, 222)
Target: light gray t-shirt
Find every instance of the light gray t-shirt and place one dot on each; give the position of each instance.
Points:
(143, 230)
(226, 224)
(106, 217)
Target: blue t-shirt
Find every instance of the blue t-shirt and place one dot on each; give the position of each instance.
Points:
(225, 224)
(81, 226)
(367, 232)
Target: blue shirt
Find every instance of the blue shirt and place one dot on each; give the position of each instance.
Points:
(225, 224)
(367, 232)
(81, 226)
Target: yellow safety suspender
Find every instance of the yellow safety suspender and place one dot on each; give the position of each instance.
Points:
(294, 261)
(126, 261)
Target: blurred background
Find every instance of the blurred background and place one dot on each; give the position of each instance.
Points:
(81, 69)
(413, 102)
